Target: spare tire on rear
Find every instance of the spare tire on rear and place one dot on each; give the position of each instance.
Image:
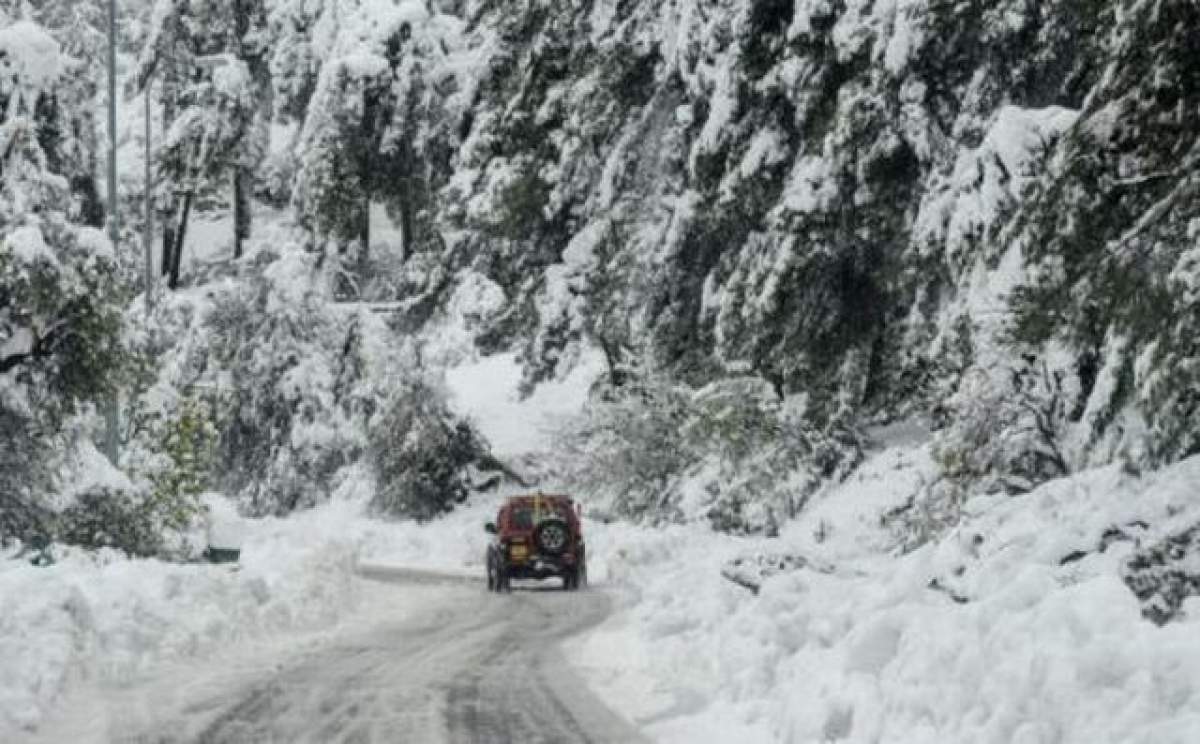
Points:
(552, 536)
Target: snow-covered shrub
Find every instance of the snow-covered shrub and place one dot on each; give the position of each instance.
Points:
(262, 386)
(188, 452)
(926, 515)
(151, 508)
(286, 364)
(731, 452)
(760, 446)
(1006, 434)
(1003, 433)
(24, 477)
(420, 454)
(110, 518)
(629, 446)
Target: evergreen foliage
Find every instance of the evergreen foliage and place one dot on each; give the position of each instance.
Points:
(731, 451)
(59, 295)
(119, 520)
(420, 454)
(189, 445)
(855, 203)
(276, 395)
(210, 59)
(804, 217)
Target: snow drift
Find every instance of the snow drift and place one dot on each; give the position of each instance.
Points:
(1019, 625)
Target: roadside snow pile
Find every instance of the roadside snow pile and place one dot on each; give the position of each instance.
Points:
(103, 617)
(452, 544)
(668, 657)
(1018, 625)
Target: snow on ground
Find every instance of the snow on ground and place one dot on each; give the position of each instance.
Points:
(106, 619)
(92, 624)
(209, 238)
(486, 390)
(983, 635)
(182, 696)
(879, 650)
(93, 629)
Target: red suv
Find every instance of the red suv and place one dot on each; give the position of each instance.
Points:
(536, 537)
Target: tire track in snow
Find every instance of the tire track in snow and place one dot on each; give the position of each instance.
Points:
(468, 667)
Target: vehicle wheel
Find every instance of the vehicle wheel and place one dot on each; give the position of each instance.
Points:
(552, 536)
(503, 582)
(581, 579)
(570, 580)
(491, 577)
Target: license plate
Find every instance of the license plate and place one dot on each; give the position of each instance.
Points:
(519, 552)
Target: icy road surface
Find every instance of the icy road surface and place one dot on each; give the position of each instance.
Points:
(462, 666)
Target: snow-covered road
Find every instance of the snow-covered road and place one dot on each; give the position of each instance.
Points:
(461, 666)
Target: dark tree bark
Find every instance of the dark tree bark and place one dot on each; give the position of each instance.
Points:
(406, 196)
(91, 208)
(241, 209)
(366, 172)
(166, 218)
(249, 15)
(364, 232)
(180, 233)
(168, 242)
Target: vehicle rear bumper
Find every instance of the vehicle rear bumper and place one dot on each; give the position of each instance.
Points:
(541, 566)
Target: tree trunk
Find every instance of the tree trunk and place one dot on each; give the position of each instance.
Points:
(167, 94)
(177, 250)
(366, 130)
(364, 227)
(241, 174)
(407, 228)
(168, 240)
(91, 207)
(241, 209)
(364, 233)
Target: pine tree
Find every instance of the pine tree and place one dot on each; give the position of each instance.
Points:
(59, 298)
(211, 59)
(374, 130)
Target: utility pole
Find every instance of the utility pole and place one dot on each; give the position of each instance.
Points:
(114, 225)
(148, 233)
(111, 414)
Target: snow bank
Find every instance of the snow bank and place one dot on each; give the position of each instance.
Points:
(108, 619)
(1014, 627)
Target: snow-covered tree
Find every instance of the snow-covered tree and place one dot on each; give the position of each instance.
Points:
(803, 217)
(732, 453)
(204, 146)
(59, 298)
(209, 58)
(375, 124)
(1111, 240)
(306, 393)
(421, 454)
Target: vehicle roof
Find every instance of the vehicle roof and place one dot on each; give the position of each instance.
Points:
(531, 498)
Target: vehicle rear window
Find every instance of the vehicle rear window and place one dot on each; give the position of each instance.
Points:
(524, 517)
